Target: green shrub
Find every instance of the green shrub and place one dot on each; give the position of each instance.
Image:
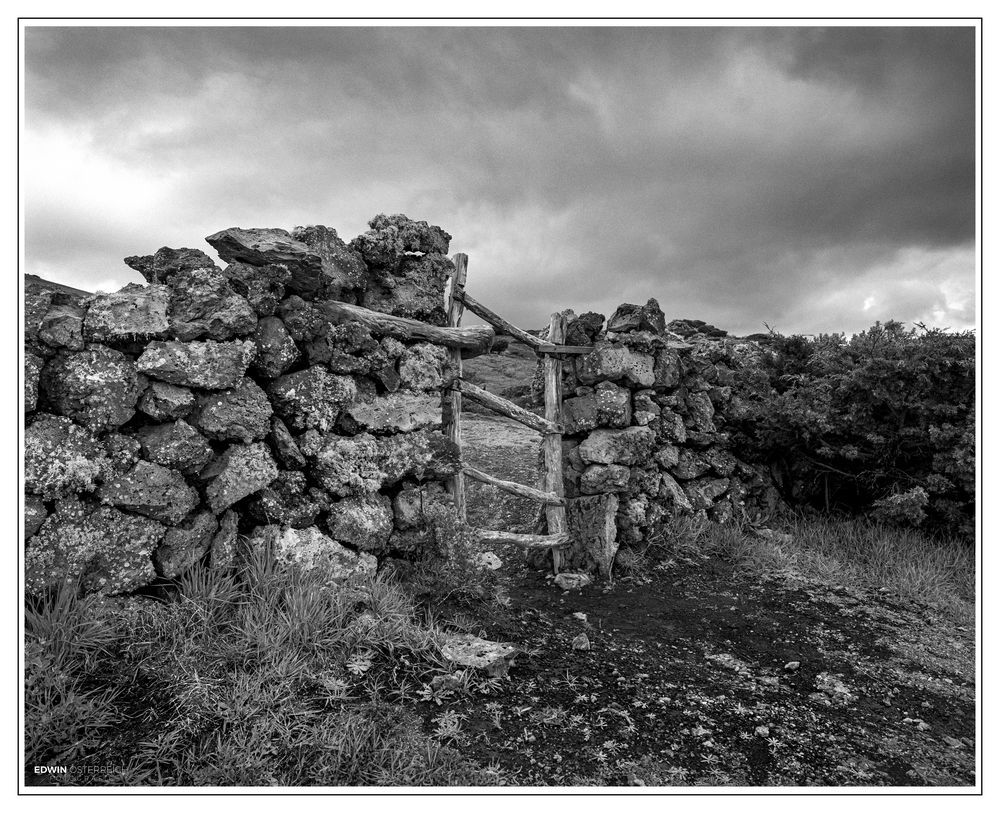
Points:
(858, 423)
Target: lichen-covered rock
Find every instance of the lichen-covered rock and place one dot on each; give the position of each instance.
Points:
(60, 458)
(722, 462)
(584, 329)
(310, 550)
(644, 408)
(37, 301)
(417, 505)
(242, 413)
(136, 312)
(263, 286)
(342, 465)
(299, 317)
(289, 501)
(176, 445)
(363, 464)
(34, 515)
(690, 465)
(614, 405)
(344, 348)
(151, 490)
(670, 428)
(275, 349)
(622, 446)
(390, 237)
(413, 289)
(105, 550)
(363, 522)
(202, 305)
(615, 362)
(648, 317)
(342, 273)
(421, 366)
(425, 455)
(224, 547)
(260, 247)
(667, 369)
(700, 411)
(600, 479)
(185, 544)
(667, 456)
(312, 398)
(672, 493)
(396, 412)
(32, 371)
(123, 452)
(579, 414)
(284, 445)
(97, 388)
(158, 268)
(62, 327)
(209, 365)
(164, 402)
(702, 493)
(237, 473)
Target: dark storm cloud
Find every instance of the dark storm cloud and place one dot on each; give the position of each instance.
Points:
(738, 175)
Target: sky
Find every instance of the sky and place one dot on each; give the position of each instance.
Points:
(809, 180)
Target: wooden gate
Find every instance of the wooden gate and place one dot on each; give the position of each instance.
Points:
(550, 490)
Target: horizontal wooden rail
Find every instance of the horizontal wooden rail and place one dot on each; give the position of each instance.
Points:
(526, 541)
(506, 408)
(545, 497)
(473, 340)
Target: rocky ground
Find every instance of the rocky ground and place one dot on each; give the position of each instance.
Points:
(695, 673)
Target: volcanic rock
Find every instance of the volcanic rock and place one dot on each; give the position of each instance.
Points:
(203, 305)
(310, 550)
(98, 388)
(237, 473)
(275, 349)
(263, 286)
(312, 398)
(164, 402)
(209, 365)
(176, 445)
(62, 327)
(151, 490)
(185, 544)
(104, 550)
(136, 312)
(362, 522)
(166, 262)
(242, 413)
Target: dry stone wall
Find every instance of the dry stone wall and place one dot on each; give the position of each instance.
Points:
(166, 421)
(645, 417)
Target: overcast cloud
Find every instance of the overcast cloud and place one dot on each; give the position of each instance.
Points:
(812, 179)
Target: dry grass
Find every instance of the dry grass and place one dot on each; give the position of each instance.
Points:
(854, 553)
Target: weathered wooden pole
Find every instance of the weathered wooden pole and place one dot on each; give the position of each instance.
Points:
(552, 482)
(455, 309)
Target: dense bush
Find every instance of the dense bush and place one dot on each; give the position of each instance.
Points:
(882, 423)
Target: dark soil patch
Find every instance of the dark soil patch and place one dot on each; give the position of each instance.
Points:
(689, 680)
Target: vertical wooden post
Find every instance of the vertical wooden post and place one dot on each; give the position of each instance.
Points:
(555, 515)
(454, 427)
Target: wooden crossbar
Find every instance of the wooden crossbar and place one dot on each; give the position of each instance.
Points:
(505, 407)
(526, 541)
(521, 490)
(474, 340)
(540, 346)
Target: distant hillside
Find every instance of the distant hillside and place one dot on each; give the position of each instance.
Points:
(34, 279)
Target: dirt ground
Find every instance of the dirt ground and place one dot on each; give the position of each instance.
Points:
(698, 674)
